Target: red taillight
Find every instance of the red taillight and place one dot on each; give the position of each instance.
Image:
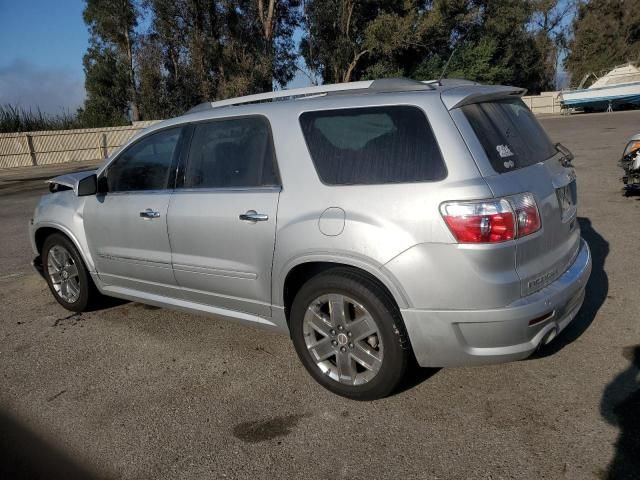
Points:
(492, 221)
(480, 222)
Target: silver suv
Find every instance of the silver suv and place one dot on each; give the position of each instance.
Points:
(376, 222)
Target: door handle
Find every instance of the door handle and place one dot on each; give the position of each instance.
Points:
(253, 216)
(149, 213)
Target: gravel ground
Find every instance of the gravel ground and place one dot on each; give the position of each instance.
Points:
(132, 391)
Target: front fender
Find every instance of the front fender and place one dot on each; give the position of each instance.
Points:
(84, 252)
(63, 211)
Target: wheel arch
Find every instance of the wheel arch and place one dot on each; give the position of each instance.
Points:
(300, 271)
(43, 231)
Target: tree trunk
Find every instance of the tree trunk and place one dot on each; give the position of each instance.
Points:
(267, 20)
(133, 97)
(352, 65)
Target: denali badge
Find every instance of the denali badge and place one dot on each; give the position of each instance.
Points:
(542, 279)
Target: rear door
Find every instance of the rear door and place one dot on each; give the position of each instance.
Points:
(515, 155)
(222, 217)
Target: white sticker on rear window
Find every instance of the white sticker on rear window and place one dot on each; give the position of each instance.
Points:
(509, 164)
(504, 151)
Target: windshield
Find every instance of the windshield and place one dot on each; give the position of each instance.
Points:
(509, 133)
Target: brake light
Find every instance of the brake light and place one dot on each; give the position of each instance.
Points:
(480, 222)
(527, 216)
(492, 221)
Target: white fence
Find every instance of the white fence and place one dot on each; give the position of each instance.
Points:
(545, 103)
(50, 147)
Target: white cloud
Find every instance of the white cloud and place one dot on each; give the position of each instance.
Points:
(53, 90)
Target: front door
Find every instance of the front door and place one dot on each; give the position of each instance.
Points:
(222, 219)
(126, 226)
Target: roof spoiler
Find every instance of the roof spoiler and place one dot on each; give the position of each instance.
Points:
(464, 95)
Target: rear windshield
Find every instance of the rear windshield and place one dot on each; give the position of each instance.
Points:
(509, 133)
(374, 145)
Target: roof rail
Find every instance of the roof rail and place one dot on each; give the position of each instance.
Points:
(370, 86)
(291, 93)
(450, 82)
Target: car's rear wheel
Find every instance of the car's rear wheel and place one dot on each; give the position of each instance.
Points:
(67, 275)
(349, 335)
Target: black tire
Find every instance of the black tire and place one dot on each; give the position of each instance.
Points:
(381, 307)
(89, 295)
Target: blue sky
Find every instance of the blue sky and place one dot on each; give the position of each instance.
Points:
(42, 43)
(41, 47)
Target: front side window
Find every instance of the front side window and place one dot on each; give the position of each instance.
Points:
(509, 133)
(231, 153)
(146, 165)
(373, 145)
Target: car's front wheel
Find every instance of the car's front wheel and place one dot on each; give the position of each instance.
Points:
(66, 274)
(349, 335)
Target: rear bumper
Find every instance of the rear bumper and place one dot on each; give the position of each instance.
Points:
(475, 337)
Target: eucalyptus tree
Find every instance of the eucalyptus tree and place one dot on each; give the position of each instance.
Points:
(112, 25)
(492, 41)
(606, 33)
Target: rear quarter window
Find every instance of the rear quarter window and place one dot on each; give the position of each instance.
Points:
(373, 145)
(509, 133)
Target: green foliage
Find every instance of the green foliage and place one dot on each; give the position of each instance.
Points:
(192, 51)
(112, 21)
(504, 29)
(16, 119)
(606, 33)
(203, 50)
(472, 61)
(112, 26)
(107, 86)
(418, 41)
(256, 52)
(153, 97)
(495, 41)
(335, 46)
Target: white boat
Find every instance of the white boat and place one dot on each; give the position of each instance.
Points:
(621, 86)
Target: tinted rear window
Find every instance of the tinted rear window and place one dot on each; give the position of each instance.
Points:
(509, 133)
(231, 153)
(374, 145)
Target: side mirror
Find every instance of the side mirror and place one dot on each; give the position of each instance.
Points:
(88, 186)
(103, 185)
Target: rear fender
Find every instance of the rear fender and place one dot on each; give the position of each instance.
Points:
(377, 271)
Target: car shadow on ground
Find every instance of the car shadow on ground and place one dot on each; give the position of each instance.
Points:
(620, 406)
(414, 376)
(104, 303)
(596, 292)
(26, 456)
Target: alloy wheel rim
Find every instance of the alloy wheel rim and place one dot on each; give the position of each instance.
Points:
(343, 339)
(63, 273)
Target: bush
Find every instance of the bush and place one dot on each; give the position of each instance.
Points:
(16, 119)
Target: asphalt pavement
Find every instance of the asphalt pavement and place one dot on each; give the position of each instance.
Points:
(132, 391)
